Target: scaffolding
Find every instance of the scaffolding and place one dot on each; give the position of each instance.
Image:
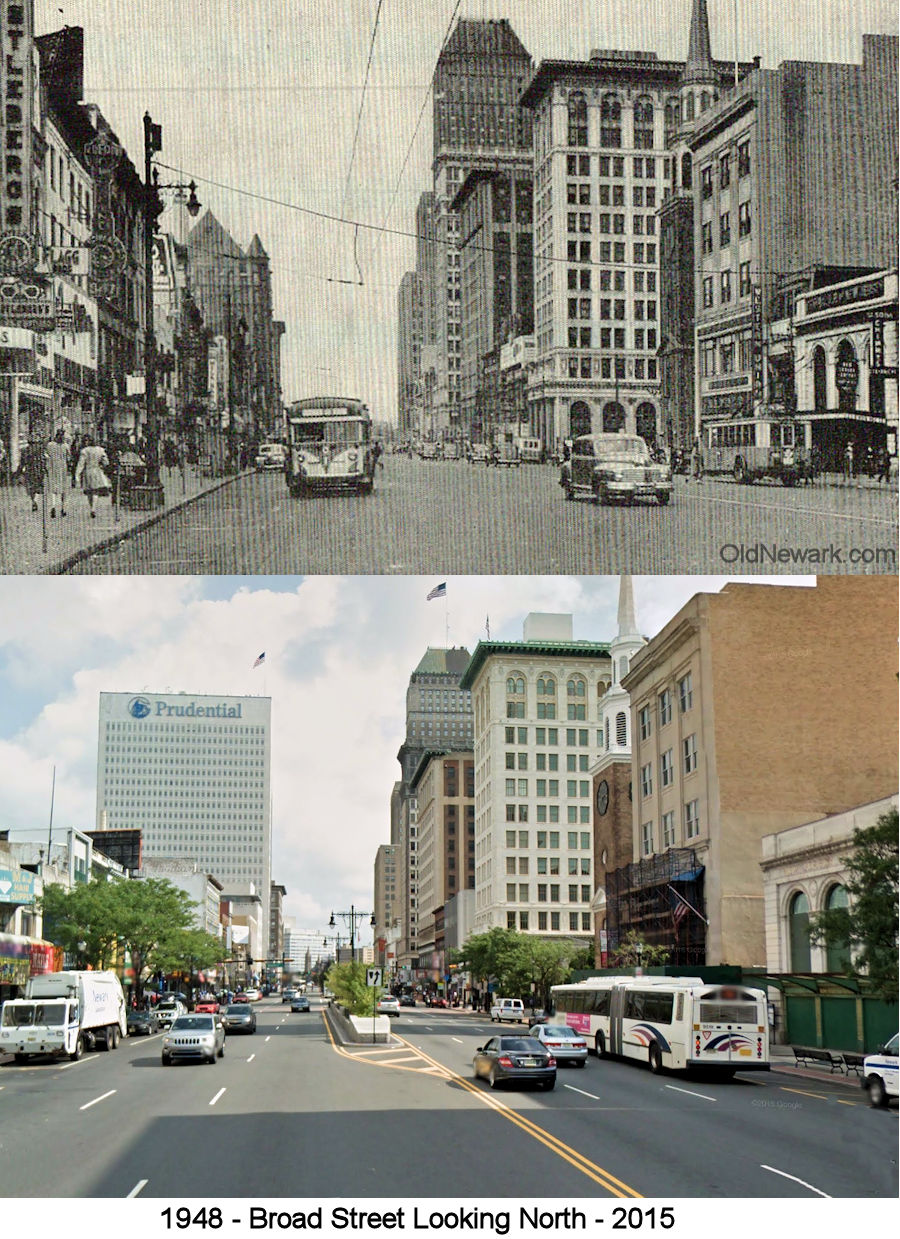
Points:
(650, 898)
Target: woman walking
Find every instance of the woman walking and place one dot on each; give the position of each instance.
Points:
(56, 466)
(31, 469)
(92, 460)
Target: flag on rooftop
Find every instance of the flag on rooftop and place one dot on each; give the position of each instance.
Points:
(439, 591)
(260, 660)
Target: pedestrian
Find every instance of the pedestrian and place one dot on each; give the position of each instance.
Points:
(848, 460)
(56, 467)
(92, 460)
(884, 465)
(696, 461)
(31, 468)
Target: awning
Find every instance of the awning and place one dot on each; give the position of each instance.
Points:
(691, 875)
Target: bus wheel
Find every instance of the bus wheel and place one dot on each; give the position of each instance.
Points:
(655, 1059)
(600, 1045)
(740, 471)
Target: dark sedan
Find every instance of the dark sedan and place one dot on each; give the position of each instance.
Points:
(239, 1017)
(515, 1058)
(407, 1000)
(299, 1003)
(142, 1023)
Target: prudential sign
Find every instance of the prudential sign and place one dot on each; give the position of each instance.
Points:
(144, 707)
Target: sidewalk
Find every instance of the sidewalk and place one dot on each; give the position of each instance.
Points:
(73, 537)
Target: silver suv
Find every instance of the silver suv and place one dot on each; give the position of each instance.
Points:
(614, 468)
(197, 1037)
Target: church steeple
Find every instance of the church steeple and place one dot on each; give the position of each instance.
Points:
(627, 625)
(699, 66)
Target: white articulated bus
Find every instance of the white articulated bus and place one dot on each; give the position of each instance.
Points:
(672, 1022)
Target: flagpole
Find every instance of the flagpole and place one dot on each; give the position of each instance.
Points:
(686, 904)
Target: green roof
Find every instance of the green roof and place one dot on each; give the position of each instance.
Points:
(549, 649)
(437, 661)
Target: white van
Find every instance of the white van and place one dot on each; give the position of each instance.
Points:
(507, 1009)
(879, 1077)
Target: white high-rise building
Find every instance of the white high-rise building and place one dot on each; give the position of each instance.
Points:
(192, 772)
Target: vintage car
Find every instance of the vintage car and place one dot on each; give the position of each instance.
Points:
(614, 468)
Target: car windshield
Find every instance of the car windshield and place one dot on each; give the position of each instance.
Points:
(240, 1009)
(520, 1044)
(193, 1023)
(623, 447)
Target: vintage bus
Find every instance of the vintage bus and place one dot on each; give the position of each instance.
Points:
(756, 447)
(677, 1023)
(329, 446)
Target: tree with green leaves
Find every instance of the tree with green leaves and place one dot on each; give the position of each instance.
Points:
(869, 925)
(518, 961)
(491, 956)
(348, 984)
(634, 952)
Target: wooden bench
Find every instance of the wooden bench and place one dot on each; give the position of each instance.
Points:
(853, 1061)
(806, 1054)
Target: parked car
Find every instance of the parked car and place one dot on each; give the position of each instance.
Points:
(515, 1058)
(142, 1023)
(507, 1009)
(271, 456)
(197, 1037)
(564, 1043)
(407, 1000)
(388, 1005)
(879, 1076)
(611, 468)
(299, 1003)
(239, 1017)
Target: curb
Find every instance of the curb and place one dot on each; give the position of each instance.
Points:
(63, 565)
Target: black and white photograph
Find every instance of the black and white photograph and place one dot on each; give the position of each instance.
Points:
(449, 616)
(494, 286)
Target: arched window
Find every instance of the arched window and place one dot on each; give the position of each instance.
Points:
(689, 107)
(837, 948)
(820, 382)
(546, 686)
(576, 691)
(645, 422)
(575, 688)
(579, 419)
(798, 933)
(578, 120)
(515, 692)
(621, 729)
(846, 376)
(672, 117)
(705, 100)
(643, 123)
(613, 417)
(515, 686)
(610, 121)
(606, 732)
(687, 170)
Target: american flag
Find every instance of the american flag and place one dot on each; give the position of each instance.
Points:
(679, 913)
(260, 660)
(439, 591)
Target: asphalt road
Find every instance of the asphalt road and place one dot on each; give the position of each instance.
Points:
(290, 1113)
(451, 517)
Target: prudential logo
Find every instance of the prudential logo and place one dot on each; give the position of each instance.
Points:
(139, 707)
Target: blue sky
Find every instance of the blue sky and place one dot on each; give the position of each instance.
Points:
(339, 652)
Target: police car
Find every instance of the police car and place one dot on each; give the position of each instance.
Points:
(879, 1076)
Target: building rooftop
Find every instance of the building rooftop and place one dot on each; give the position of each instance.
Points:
(438, 661)
(550, 649)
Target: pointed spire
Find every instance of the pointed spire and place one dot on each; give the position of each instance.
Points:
(627, 623)
(699, 66)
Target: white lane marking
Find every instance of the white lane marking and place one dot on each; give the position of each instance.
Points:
(573, 1089)
(769, 507)
(459, 1039)
(138, 1188)
(217, 1096)
(802, 1182)
(89, 1059)
(251, 1058)
(87, 1105)
(268, 1038)
(702, 1096)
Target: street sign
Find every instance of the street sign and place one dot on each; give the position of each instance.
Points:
(373, 977)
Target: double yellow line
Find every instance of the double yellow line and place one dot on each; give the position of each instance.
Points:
(600, 1176)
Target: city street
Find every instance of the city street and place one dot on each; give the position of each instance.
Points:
(407, 1119)
(443, 517)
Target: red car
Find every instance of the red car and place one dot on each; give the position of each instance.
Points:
(437, 1001)
(241, 998)
(206, 1006)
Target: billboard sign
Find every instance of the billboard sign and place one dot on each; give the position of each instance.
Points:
(16, 114)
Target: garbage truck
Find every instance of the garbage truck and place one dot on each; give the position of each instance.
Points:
(64, 1013)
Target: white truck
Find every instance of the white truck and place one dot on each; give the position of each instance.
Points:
(64, 1013)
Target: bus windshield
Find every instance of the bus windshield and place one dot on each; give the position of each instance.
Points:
(341, 432)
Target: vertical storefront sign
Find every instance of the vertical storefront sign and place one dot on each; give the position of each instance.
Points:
(756, 329)
(16, 114)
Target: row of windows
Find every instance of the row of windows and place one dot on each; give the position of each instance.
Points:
(667, 766)
(642, 131)
(691, 821)
(612, 252)
(549, 864)
(550, 735)
(724, 163)
(580, 279)
(523, 920)
(546, 686)
(520, 892)
(578, 193)
(549, 838)
(745, 226)
(643, 166)
(685, 690)
(611, 308)
(547, 761)
(614, 337)
(726, 286)
(607, 368)
(728, 353)
(580, 221)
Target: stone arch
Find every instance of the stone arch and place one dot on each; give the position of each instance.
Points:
(579, 419)
(613, 417)
(645, 421)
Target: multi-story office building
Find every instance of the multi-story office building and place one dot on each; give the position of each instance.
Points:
(425, 260)
(479, 77)
(192, 772)
(496, 283)
(276, 924)
(190, 876)
(386, 906)
(438, 713)
(731, 704)
(410, 337)
(444, 786)
(537, 716)
(787, 199)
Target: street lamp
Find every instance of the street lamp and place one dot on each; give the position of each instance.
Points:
(352, 918)
(152, 211)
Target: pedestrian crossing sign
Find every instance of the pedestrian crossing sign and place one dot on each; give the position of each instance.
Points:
(373, 976)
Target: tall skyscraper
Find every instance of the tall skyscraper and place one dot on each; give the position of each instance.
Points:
(193, 773)
(410, 338)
